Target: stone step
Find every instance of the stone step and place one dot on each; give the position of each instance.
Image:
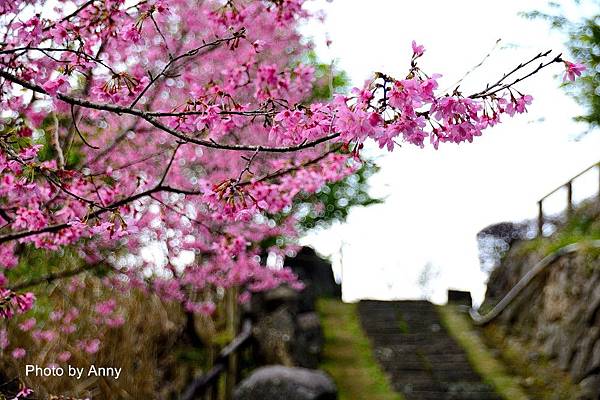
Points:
(422, 359)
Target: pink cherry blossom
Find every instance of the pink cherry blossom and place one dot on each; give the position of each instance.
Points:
(90, 346)
(573, 70)
(518, 105)
(23, 393)
(106, 308)
(132, 34)
(27, 324)
(53, 86)
(196, 129)
(418, 50)
(4, 341)
(204, 308)
(18, 353)
(64, 356)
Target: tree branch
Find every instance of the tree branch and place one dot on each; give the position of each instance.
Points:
(113, 206)
(148, 118)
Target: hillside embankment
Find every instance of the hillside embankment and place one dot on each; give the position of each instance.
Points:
(555, 320)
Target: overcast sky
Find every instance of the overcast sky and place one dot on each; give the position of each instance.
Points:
(437, 201)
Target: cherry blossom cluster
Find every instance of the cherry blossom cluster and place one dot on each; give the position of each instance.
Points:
(12, 303)
(188, 126)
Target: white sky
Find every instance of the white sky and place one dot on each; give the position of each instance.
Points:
(438, 201)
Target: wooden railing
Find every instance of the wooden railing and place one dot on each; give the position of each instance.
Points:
(570, 205)
(227, 363)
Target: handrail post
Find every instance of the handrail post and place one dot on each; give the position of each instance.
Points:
(569, 186)
(540, 218)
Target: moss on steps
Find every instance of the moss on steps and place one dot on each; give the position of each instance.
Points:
(527, 379)
(348, 356)
(491, 370)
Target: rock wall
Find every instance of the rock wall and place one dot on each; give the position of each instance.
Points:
(286, 333)
(287, 328)
(289, 338)
(559, 311)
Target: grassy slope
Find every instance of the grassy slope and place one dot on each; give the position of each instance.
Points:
(491, 370)
(348, 356)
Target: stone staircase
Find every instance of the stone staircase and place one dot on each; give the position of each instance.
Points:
(423, 361)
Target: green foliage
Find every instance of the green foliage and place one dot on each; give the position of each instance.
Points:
(580, 228)
(333, 201)
(73, 157)
(583, 41)
(36, 263)
(42, 266)
(9, 134)
(403, 325)
(329, 80)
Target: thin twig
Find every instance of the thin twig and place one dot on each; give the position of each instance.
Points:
(74, 117)
(56, 143)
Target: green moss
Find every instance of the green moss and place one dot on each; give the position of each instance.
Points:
(491, 370)
(402, 324)
(541, 379)
(348, 356)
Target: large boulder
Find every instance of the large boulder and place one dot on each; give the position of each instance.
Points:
(277, 382)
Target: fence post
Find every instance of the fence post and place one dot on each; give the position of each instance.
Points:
(569, 186)
(232, 326)
(540, 218)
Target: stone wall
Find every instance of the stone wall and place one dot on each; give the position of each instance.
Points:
(286, 326)
(558, 313)
(289, 338)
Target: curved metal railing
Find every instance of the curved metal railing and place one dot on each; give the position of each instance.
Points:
(512, 294)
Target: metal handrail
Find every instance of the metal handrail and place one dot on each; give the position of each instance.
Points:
(569, 186)
(479, 319)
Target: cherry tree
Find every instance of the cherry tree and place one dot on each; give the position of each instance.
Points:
(189, 123)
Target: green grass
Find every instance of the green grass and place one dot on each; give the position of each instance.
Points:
(348, 356)
(491, 370)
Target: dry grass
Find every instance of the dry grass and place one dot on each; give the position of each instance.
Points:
(158, 351)
(144, 346)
